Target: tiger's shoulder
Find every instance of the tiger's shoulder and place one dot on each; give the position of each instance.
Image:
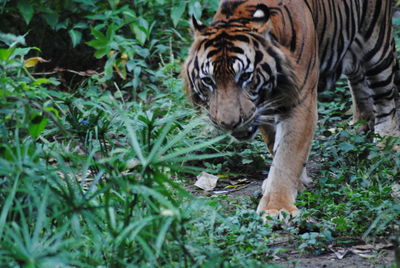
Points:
(291, 23)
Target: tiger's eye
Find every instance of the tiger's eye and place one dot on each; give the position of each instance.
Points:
(245, 76)
(207, 81)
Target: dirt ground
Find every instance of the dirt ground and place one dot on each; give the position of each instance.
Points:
(386, 259)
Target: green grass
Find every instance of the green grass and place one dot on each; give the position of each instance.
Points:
(94, 173)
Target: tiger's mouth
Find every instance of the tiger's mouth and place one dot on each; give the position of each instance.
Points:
(245, 133)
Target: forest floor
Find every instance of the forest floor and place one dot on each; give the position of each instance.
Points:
(353, 256)
(248, 191)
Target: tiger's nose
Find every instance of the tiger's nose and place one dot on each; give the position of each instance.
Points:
(230, 125)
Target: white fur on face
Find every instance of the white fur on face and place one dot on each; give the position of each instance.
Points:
(237, 66)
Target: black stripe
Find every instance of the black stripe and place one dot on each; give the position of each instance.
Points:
(259, 57)
(237, 50)
(378, 45)
(213, 53)
(379, 68)
(377, 10)
(386, 95)
(240, 37)
(383, 83)
(300, 53)
(293, 37)
(267, 68)
(364, 12)
(273, 54)
(386, 114)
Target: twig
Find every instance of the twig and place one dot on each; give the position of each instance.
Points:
(80, 73)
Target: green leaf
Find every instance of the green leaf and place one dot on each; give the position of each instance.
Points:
(41, 216)
(6, 53)
(41, 81)
(171, 156)
(52, 110)
(52, 19)
(108, 67)
(99, 35)
(177, 12)
(7, 205)
(162, 235)
(113, 3)
(80, 25)
(195, 9)
(11, 39)
(134, 141)
(140, 34)
(157, 196)
(191, 157)
(37, 125)
(26, 10)
(159, 141)
(188, 128)
(133, 229)
(346, 147)
(76, 37)
(101, 43)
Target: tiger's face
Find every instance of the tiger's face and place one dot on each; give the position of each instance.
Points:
(237, 73)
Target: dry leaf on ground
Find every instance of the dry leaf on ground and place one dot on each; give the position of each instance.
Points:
(206, 181)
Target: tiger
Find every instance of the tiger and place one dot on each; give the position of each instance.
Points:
(259, 65)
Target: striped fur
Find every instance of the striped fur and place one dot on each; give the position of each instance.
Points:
(260, 64)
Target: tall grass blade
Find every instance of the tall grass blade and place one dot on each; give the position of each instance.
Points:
(40, 217)
(193, 148)
(134, 142)
(156, 147)
(162, 234)
(7, 206)
(179, 137)
(145, 191)
(133, 229)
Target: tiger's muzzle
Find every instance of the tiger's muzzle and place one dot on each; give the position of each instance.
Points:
(240, 130)
(245, 133)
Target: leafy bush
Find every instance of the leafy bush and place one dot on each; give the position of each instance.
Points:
(122, 33)
(87, 179)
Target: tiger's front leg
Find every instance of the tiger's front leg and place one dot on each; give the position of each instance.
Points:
(293, 138)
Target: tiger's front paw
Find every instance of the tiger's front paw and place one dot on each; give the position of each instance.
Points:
(282, 214)
(282, 209)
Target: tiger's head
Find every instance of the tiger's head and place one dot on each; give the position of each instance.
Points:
(237, 71)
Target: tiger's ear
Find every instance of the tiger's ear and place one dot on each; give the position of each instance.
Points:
(197, 26)
(261, 18)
